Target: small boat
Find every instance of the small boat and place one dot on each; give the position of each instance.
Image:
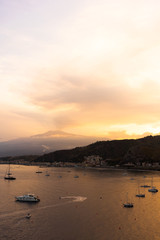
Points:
(47, 174)
(28, 198)
(128, 204)
(124, 174)
(28, 216)
(39, 172)
(145, 185)
(9, 175)
(76, 176)
(152, 189)
(139, 194)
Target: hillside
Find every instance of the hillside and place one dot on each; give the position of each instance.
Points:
(43, 143)
(116, 151)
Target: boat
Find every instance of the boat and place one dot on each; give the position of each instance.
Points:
(142, 195)
(9, 175)
(39, 172)
(76, 176)
(145, 185)
(124, 174)
(128, 204)
(28, 198)
(152, 189)
(139, 194)
(28, 216)
(47, 174)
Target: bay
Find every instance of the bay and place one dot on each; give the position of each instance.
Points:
(89, 207)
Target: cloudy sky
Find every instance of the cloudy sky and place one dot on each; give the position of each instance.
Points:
(89, 67)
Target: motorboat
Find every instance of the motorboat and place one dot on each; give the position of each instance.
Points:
(28, 198)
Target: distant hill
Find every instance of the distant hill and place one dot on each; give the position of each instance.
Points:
(116, 151)
(43, 143)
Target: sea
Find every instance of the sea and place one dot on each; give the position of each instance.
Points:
(79, 204)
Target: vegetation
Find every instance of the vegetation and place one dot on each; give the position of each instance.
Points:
(113, 152)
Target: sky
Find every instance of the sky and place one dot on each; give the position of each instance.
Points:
(89, 67)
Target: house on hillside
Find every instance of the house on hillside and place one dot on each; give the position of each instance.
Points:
(92, 161)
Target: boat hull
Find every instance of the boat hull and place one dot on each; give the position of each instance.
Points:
(27, 201)
(27, 198)
(9, 178)
(128, 205)
(153, 190)
(140, 195)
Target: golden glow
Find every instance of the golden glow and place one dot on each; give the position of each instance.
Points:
(87, 68)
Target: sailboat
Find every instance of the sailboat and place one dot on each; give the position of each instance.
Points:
(128, 204)
(152, 189)
(47, 174)
(142, 195)
(8, 175)
(145, 185)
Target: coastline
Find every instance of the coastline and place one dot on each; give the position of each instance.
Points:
(74, 165)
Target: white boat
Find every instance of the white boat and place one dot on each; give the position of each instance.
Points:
(28, 198)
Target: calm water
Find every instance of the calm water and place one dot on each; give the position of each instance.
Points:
(90, 207)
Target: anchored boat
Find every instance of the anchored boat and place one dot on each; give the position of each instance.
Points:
(28, 198)
(9, 175)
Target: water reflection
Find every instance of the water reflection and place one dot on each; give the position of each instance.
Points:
(87, 207)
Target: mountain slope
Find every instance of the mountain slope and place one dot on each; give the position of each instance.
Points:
(117, 151)
(43, 143)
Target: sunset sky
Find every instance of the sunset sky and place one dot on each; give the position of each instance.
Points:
(86, 67)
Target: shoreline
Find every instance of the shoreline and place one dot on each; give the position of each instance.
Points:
(109, 168)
